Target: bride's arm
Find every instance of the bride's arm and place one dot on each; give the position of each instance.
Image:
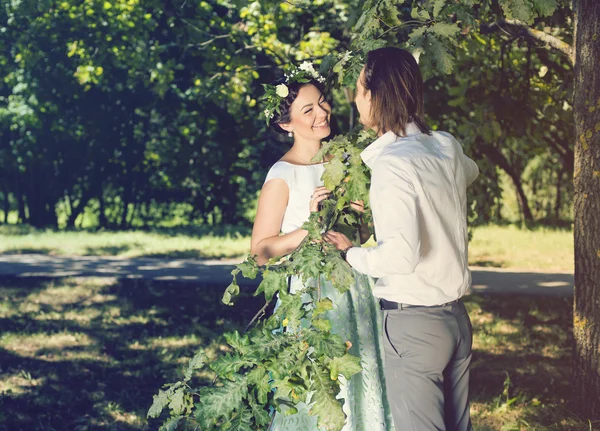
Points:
(266, 241)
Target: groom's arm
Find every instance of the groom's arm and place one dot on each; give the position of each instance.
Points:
(395, 209)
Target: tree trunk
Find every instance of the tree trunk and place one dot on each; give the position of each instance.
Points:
(558, 201)
(586, 319)
(77, 209)
(22, 217)
(498, 158)
(6, 203)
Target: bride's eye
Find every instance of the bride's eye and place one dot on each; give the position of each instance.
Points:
(308, 111)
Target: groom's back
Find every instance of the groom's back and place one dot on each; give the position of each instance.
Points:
(439, 174)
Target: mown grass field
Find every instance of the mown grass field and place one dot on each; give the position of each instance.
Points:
(88, 354)
(539, 249)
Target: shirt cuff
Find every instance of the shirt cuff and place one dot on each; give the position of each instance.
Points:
(357, 258)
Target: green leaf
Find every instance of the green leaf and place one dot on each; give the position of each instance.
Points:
(347, 365)
(231, 291)
(249, 268)
(518, 9)
(220, 402)
(355, 65)
(322, 306)
(259, 379)
(237, 341)
(313, 227)
(265, 344)
(307, 262)
(241, 421)
(271, 283)
(325, 406)
(339, 272)
(261, 417)
(418, 13)
(322, 324)
(545, 7)
(196, 363)
(437, 7)
(334, 173)
(325, 344)
(160, 402)
(171, 423)
(439, 55)
(177, 402)
(443, 29)
(228, 364)
(290, 308)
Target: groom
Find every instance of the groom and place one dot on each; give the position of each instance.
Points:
(418, 197)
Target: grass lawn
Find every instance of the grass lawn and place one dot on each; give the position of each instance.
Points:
(495, 246)
(539, 249)
(88, 354)
(200, 243)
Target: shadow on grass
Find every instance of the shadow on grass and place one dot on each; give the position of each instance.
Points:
(190, 254)
(109, 250)
(521, 367)
(29, 250)
(89, 354)
(124, 339)
(487, 263)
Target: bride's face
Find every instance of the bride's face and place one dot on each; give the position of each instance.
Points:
(363, 100)
(310, 113)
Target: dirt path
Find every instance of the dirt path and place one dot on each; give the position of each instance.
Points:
(218, 272)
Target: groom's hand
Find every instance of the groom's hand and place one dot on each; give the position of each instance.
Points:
(339, 240)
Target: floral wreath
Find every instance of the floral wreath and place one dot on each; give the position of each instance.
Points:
(274, 94)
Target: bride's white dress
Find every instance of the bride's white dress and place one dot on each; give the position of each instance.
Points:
(356, 317)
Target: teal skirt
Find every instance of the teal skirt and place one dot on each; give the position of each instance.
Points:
(356, 317)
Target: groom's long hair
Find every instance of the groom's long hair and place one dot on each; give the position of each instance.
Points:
(394, 79)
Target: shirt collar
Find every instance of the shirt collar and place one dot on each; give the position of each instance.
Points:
(370, 153)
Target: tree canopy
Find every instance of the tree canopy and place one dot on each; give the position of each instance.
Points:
(135, 113)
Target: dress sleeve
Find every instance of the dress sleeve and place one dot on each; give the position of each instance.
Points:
(279, 170)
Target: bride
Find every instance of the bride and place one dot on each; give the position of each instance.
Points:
(292, 190)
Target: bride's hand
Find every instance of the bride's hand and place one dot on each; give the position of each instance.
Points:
(319, 195)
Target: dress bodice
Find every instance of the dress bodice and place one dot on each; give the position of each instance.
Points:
(301, 181)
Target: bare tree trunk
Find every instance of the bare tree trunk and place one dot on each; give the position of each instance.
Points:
(558, 201)
(6, 203)
(586, 323)
(498, 158)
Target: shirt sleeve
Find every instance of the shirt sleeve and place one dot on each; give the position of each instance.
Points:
(395, 207)
(471, 169)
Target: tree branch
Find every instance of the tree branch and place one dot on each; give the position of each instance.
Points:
(519, 28)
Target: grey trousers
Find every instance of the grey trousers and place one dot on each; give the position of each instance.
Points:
(427, 357)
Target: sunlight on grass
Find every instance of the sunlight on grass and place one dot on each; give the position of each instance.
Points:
(89, 353)
(509, 247)
(19, 383)
(92, 352)
(177, 245)
(521, 364)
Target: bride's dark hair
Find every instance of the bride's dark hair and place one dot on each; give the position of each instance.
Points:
(286, 104)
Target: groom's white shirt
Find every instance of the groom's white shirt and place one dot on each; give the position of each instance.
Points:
(419, 203)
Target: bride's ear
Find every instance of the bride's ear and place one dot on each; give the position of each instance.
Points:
(285, 126)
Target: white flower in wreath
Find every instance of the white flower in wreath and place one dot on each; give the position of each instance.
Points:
(308, 67)
(268, 114)
(282, 90)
